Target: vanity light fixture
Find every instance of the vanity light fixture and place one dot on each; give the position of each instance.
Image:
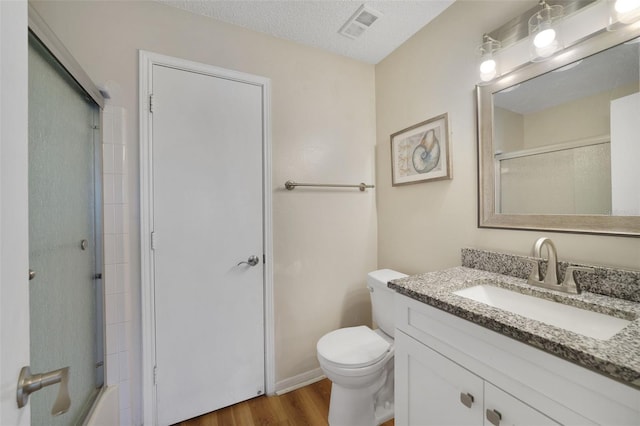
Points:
(544, 31)
(540, 25)
(488, 64)
(623, 12)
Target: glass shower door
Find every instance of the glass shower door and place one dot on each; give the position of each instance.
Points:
(64, 246)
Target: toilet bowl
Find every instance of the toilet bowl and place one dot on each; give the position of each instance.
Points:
(359, 362)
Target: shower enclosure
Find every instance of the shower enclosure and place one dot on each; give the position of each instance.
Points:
(65, 237)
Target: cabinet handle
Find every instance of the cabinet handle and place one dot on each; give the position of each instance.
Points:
(494, 417)
(466, 399)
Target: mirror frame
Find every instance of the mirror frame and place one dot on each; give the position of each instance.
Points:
(487, 216)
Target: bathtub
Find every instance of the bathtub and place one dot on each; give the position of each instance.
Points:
(106, 410)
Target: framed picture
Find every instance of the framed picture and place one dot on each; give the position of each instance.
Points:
(421, 152)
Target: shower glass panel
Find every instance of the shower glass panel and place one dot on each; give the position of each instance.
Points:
(64, 237)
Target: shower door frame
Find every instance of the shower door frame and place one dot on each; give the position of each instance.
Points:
(89, 195)
(47, 38)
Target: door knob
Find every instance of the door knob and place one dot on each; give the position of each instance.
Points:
(253, 260)
(29, 383)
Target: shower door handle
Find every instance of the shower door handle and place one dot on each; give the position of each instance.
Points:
(252, 261)
(29, 383)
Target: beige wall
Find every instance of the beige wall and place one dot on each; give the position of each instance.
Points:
(423, 226)
(581, 119)
(508, 130)
(323, 130)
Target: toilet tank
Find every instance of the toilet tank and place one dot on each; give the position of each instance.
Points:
(382, 309)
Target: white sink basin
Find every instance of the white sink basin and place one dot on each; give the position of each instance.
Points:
(581, 321)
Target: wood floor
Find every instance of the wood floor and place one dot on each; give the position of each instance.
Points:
(305, 406)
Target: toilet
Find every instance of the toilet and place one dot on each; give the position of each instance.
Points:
(359, 361)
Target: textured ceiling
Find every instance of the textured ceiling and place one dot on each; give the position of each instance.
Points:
(316, 23)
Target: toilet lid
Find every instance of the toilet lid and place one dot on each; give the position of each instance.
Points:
(353, 347)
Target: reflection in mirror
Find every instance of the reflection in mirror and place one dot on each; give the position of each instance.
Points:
(560, 143)
(554, 131)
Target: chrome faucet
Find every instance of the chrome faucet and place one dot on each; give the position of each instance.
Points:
(551, 277)
(550, 280)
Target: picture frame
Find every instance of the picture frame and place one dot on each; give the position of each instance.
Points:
(422, 152)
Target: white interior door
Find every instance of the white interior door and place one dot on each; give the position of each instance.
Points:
(207, 151)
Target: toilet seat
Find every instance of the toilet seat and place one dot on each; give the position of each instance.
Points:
(353, 347)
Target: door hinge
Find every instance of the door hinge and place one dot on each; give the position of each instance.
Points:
(264, 259)
(151, 103)
(154, 241)
(155, 374)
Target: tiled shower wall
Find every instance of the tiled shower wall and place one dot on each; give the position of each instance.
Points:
(116, 258)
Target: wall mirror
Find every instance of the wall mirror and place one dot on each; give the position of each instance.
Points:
(559, 141)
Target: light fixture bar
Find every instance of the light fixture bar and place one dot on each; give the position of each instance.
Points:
(518, 28)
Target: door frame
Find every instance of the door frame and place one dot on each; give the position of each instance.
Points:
(146, 62)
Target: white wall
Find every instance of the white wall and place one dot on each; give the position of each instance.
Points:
(323, 130)
(423, 226)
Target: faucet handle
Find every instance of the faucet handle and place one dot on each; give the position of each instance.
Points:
(569, 280)
(534, 276)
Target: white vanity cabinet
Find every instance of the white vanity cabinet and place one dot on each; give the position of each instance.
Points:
(450, 371)
(436, 391)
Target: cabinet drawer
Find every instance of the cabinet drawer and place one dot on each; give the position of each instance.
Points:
(512, 411)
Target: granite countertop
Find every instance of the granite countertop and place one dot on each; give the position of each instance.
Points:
(617, 358)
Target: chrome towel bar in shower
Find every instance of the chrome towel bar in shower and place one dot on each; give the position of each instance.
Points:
(291, 184)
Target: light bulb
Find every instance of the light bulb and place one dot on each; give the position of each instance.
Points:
(627, 11)
(545, 32)
(488, 69)
(487, 66)
(624, 6)
(544, 38)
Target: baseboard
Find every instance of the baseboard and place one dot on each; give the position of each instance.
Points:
(298, 381)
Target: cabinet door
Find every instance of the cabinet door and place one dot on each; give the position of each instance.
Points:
(430, 389)
(511, 411)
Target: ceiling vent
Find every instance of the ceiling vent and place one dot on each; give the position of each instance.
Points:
(359, 22)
